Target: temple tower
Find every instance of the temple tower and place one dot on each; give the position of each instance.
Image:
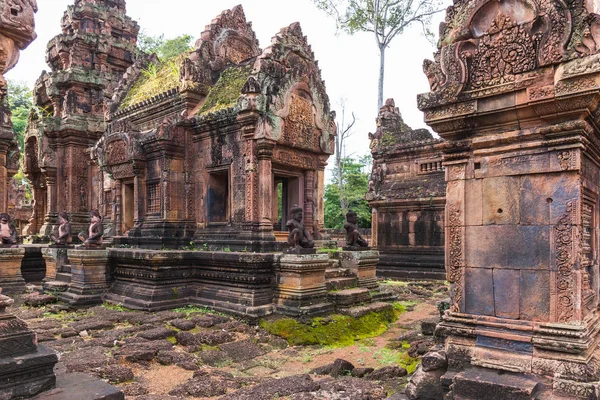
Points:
(87, 61)
(515, 88)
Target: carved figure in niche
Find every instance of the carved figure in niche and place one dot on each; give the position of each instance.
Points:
(298, 237)
(64, 231)
(353, 238)
(93, 238)
(8, 233)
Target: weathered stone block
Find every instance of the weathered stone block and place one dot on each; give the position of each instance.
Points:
(479, 291)
(474, 202)
(534, 301)
(484, 249)
(55, 258)
(506, 293)
(500, 200)
(470, 385)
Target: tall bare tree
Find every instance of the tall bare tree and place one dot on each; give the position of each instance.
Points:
(385, 19)
(345, 131)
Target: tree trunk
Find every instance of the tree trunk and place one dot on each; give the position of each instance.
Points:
(381, 75)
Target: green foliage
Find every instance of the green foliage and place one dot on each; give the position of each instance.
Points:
(355, 184)
(164, 49)
(226, 92)
(20, 101)
(116, 307)
(335, 331)
(385, 18)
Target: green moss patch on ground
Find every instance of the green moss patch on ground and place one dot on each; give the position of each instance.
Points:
(226, 92)
(334, 331)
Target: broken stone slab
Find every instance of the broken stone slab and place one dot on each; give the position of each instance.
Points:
(470, 384)
(36, 300)
(425, 385)
(428, 326)
(434, 360)
(78, 386)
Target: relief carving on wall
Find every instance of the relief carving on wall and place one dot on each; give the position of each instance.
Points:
(565, 283)
(299, 128)
(455, 256)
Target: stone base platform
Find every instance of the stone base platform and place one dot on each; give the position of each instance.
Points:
(90, 277)
(301, 288)
(363, 264)
(79, 386)
(27, 375)
(471, 384)
(11, 280)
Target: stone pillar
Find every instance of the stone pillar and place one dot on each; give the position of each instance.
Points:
(118, 212)
(309, 202)
(90, 277)
(51, 216)
(4, 179)
(11, 279)
(363, 264)
(374, 227)
(265, 185)
(301, 286)
(319, 219)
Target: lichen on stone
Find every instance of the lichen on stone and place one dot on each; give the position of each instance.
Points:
(226, 92)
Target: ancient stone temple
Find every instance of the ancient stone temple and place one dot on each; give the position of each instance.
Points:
(203, 157)
(87, 60)
(515, 93)
(407, 193)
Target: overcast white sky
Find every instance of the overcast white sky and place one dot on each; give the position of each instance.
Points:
(349, 64)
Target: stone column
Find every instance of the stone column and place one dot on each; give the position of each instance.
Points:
(118, 200)
(3, 178)
(265, 184)
(51, 216)
(319, 219)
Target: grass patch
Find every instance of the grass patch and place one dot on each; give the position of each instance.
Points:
(115, 307)
(172, 339)
(226, 92)
(409, 363)
(155, 79)
(334, 331)
(328, 251)
(395, 283)
(190, 309)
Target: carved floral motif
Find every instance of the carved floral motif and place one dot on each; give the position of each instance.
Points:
(563, 247)
(455, 256)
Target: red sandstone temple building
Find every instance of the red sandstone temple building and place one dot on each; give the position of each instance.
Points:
(407, 192)
(201, 157)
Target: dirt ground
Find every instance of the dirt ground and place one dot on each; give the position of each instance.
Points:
(193, 353)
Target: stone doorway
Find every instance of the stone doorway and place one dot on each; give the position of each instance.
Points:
(218, 197)
(128, 206)
(287, 190)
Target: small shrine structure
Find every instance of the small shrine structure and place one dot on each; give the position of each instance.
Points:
(407, 191)
(515, 88)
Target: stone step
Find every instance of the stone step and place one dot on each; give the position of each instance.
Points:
(341, 283)
(349, 297)
(470, 384)
(78, 386)
(66, 268)
(56, 286)
(331, 273)
(383, 295)
(359, 311)
(63, 277)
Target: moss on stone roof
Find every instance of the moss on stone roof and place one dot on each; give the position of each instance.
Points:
(155, 79)
(227, 90)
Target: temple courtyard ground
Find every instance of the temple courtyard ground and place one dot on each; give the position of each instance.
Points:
(193, 353)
